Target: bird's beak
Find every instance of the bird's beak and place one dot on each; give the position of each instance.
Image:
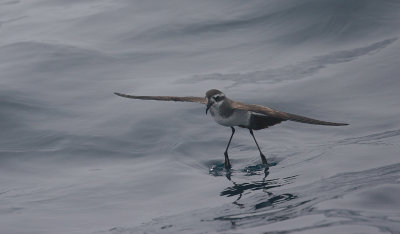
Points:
(208, 106)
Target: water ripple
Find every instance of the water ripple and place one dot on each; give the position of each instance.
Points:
(297, 71)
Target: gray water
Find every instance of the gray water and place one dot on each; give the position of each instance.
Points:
(75, 158)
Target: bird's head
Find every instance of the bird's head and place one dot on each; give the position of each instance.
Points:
(214, 97)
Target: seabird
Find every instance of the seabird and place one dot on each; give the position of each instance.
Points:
(229, 113)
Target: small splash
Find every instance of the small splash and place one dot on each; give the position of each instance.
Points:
(217, 169)
(255, 170)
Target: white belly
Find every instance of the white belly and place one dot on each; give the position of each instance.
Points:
(239, 117)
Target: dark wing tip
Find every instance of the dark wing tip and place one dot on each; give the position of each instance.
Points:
(119, 94)
(318, 122)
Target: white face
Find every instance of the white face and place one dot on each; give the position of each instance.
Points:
(214, 102)
(217, 99)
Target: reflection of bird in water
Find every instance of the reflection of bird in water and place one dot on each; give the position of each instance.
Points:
(238, 189)
(230, 114)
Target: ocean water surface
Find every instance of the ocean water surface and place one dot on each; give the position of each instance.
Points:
(75, 158)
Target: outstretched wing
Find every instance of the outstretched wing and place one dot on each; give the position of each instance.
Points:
(166, 98)
(282, 115)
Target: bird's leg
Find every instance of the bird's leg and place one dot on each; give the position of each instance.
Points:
(227, 163)
(263, 159)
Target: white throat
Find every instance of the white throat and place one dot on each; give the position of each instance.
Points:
(238, 117)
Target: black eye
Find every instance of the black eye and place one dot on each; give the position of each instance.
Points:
(218, 98)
